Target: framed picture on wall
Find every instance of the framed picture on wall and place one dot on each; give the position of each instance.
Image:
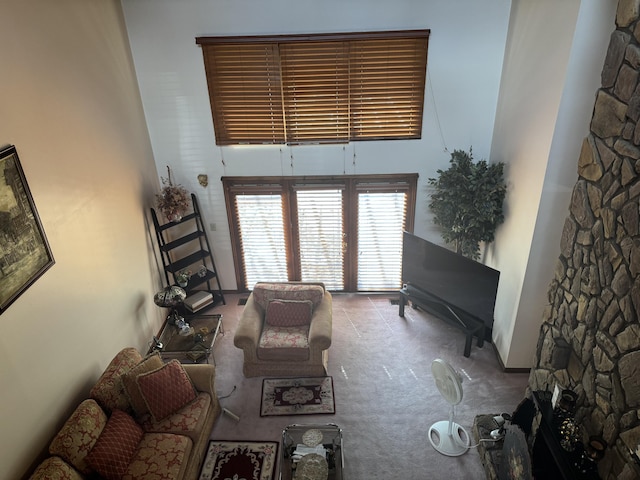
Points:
(24, 251)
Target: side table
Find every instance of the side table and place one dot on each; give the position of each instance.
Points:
(190, 348)
(326, 437)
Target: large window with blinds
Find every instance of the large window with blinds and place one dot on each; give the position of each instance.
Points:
(320, 88)
(343, 231)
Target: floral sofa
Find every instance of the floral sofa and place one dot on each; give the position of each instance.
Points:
(145, 419)
(285, 329)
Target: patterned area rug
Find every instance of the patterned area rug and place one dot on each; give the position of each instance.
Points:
(297, 396)
(247, 460)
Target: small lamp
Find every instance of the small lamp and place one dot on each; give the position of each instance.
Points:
(171, 297)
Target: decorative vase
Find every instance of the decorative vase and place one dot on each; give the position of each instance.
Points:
(566, 407)
(173, 217)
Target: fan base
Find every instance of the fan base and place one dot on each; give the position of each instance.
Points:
(453, 444)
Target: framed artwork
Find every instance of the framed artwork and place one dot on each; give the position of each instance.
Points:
(24, 251)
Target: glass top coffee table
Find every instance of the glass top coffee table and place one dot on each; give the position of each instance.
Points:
(316, 448)
(197, 345)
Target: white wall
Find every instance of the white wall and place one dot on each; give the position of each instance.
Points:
(551, 75)
(70, 105)
(466, 48)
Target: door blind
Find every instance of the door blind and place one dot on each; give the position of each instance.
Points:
(262, 238)
(320, 234)
(381, 221)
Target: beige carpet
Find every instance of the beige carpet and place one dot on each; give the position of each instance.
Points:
(385, 394)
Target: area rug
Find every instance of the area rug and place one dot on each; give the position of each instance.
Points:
(236, 459)
(297, 396)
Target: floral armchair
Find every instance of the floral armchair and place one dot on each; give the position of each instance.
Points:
(285, 330)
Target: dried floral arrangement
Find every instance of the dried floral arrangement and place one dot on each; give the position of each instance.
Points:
(173, 201)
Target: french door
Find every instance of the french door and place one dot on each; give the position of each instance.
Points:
(343, 231)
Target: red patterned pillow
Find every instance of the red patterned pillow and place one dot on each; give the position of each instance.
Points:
(166, 390)
(289, 313)
(116, 446)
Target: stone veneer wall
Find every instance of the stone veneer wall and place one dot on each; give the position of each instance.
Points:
(590, 338)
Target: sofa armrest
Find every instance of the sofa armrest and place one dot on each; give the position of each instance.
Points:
(321, 324)
(55, 467)
(249, 326)
(202, 376)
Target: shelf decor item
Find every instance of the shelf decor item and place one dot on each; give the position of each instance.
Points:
(24, 251)
(182, 277)
(173, 200)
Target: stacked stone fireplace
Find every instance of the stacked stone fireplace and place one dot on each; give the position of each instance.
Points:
(590, 338)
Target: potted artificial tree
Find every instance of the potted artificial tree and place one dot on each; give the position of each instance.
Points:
(467, 202)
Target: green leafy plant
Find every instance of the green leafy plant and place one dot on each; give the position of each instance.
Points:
(467, 202)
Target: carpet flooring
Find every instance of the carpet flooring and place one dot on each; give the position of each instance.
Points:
(297, 396)
(385, 394)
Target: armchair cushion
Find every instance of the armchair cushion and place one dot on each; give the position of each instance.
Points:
(117, 444)
(265, 292)
(289, 313)
(166, 390)
(162, 456)
(284, 343)
(189, 420)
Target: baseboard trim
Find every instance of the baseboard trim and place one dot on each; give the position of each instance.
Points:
(505, 369)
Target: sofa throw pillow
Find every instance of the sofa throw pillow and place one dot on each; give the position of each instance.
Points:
(149, 364)
(289, 313)
(79, 434)
(116, 446)
(264, 292)
(166, 390)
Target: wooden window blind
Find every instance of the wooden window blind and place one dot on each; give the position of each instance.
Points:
(331, 88)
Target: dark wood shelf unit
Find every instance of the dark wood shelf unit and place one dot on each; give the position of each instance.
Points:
(181, 251)
(550, 460)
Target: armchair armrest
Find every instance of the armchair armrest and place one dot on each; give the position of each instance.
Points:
(249, 326)
(321, 324)
(202, 376)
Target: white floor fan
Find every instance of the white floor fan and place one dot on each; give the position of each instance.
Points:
(447, 437)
